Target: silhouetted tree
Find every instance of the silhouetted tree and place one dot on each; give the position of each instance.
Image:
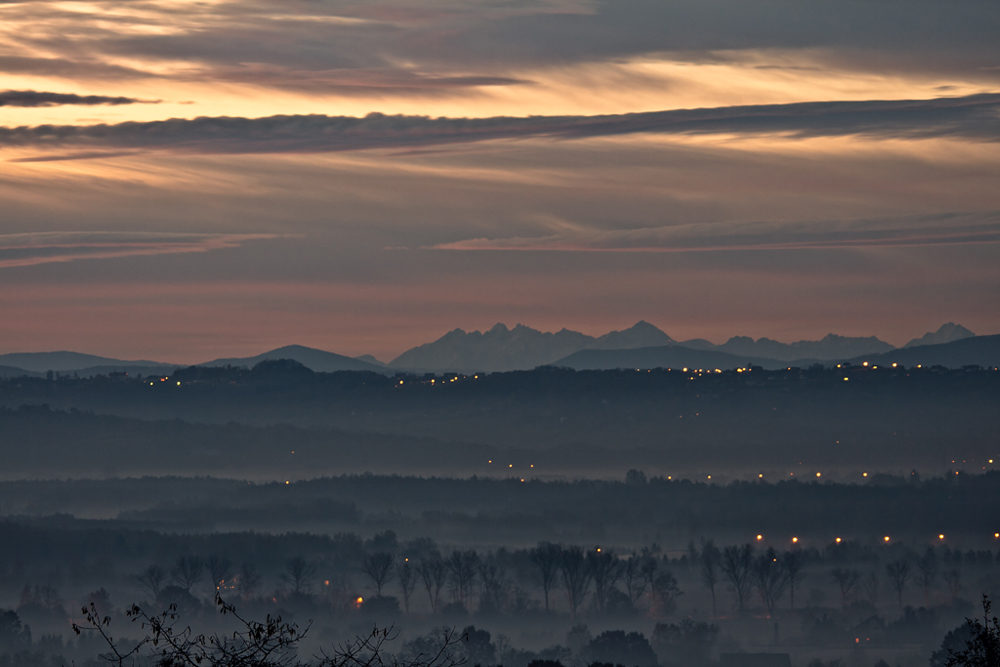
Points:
(954, 580)
(927, 565)
(407, 575)
(434, 574)
(982, 649)
(792, 562)
(220, 569)
(248, 580)
(546, 558)
(899, 574)
(187, 571)
(299, 574)
(737, 565)
(462, 566)
(870, 586)
(665, 591)
(605, 570)
(493, 592)
(770, 578)
(575, 577)
(845, 580)
(151, 580)
(378, 568)
(635, 580)
(709, 564)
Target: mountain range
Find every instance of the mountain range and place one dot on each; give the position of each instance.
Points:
(502, 349)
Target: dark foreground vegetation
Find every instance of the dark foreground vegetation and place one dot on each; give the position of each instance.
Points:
(674, 598)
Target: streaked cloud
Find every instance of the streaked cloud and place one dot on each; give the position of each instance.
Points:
(975, 117)
(893, 232)
(34, 98)
(30, 249)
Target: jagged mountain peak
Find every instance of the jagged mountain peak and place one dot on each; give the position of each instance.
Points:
(946, 333)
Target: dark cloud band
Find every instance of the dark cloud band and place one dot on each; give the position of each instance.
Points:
(975, 117)
(33, 98)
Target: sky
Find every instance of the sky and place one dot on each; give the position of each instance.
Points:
(186, 180)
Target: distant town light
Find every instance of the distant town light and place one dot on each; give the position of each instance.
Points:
(940, 537)
(795, 539)
(760, 475)
(819, 474)
(760, 537)
(865, 364)
(846, 379)
(864, 474)
(837, 540)
(886, 538)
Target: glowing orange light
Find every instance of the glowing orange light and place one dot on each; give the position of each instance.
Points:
(360, 600)
(286, 481)
(819, 474)
(886, 538)
(326, 582)
(838, 540)
(864, 474)
(760, 537)
(795, 539)
(940, 537)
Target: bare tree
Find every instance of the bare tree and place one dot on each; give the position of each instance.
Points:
(769, 576)
(737, 563)
(248, 580)
(635, 580)
(845, 580)
(792, 562)
(709, 564)
(954, 580)
(434, 574)
(299, 574)
(494, 586)
(870, 587)
(462, 567)
(899, 574)
(187, 571)
(378, 567)
(928, 568)
(407, 575)
(220, 569)
(151, 580)
(546, 558)
(575, 577)
(605, 570)
(665, 591)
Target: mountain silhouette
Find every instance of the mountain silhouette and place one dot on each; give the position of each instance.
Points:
(946, 333)
(975, 351)
(40, 362)
(830, 347)
(520, 348)
(12, 372)
(319, 361)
